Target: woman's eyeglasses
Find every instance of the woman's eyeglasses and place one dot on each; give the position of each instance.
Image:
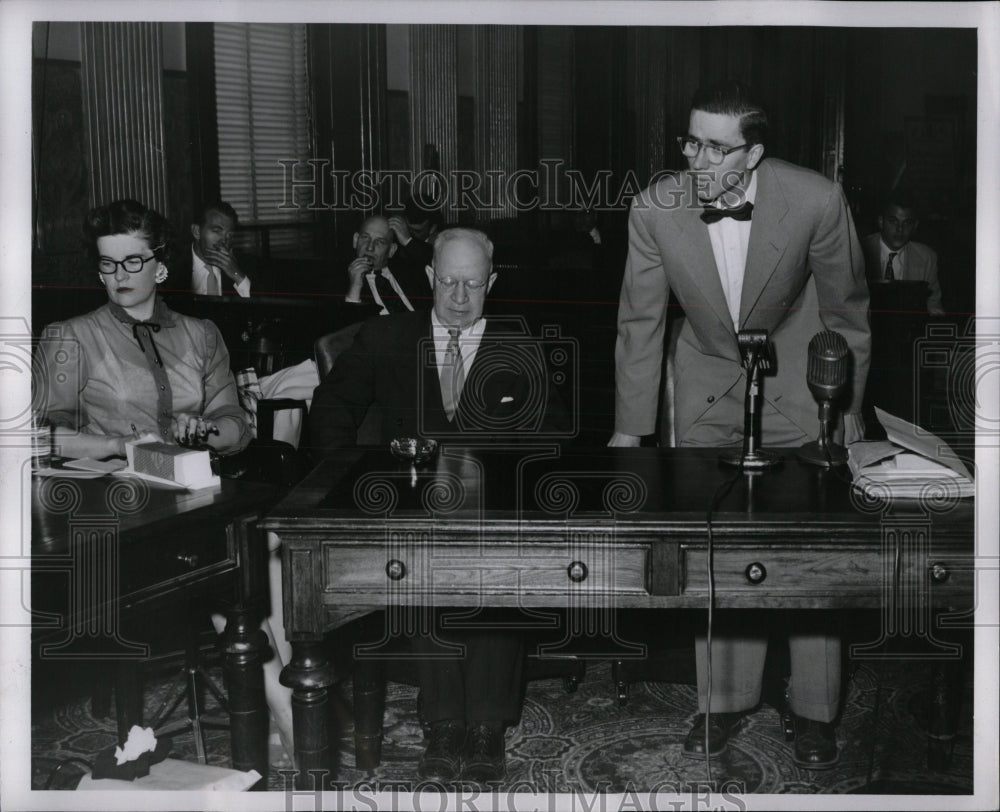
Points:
(132, 264)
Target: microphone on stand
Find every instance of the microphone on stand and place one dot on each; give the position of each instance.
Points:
(826, 375)
(757, 355)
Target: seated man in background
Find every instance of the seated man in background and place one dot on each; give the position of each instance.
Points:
(210, 268)
(891, 255)
(415, 231)
(466, 702)
(373, 289)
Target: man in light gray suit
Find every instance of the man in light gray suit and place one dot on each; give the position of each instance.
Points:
(891, 254)
(743, 243)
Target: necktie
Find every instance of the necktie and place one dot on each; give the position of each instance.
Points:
(452, 375)
(889, 275)
(387, 293)
(712, 214)
(212, 288)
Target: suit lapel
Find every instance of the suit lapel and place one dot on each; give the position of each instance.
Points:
(768, 238)
(698, 258)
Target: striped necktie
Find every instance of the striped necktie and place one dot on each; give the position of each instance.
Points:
(452, 374)
(889, 275)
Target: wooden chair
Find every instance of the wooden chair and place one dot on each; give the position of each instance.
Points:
(325, 350)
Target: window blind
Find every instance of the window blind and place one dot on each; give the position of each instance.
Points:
(263, 113)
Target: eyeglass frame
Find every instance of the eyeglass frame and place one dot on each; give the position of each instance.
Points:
(723, 151)
(450, 283)
(102, 259)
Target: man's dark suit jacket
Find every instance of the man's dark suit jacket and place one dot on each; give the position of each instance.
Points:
(392, 364)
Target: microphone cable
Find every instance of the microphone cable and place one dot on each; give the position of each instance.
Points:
(720, 493)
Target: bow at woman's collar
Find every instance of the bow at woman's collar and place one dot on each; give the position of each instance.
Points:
(143, 330)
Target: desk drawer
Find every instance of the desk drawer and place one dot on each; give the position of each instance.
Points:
(826, 575)
(459, 569)
(160, 560)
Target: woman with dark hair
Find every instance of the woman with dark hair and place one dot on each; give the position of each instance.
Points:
(133, 367)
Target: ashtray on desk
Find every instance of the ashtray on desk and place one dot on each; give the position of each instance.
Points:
(414, 449)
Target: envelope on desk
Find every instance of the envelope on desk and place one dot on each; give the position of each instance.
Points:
(912, 464)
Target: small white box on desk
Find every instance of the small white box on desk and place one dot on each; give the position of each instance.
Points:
(171, 464)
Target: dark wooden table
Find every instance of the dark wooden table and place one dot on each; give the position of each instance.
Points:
(110, 552)
(596, 530)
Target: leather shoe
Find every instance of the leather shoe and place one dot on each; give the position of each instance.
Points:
(442, 758)
(484, 752)
(720, 727)
(815, 744)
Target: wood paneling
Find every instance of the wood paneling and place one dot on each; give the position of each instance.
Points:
(496, 110)
(123, 112)
(434, 102)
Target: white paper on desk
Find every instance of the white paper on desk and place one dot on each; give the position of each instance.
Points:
(166, 483)
(907, 465)
(66, 473)
(90, 464)
(927, 445)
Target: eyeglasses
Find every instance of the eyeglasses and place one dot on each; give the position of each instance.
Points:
(448, 283)
(690, 147)
(132, 264)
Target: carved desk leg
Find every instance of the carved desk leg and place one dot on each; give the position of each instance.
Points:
(309, 674)
(369, 709)
(944, 704)
(246, 646)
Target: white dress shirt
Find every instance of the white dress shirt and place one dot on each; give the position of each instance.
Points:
(201, 271)
(468, 342)
(730, 239)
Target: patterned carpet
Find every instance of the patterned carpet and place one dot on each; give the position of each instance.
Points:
(584, 742)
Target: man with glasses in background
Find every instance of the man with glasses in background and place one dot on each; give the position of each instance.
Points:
(744, 244)
(415, 366)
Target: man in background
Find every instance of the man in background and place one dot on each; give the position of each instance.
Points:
(373, 289)
(210, 268)
(891, 255)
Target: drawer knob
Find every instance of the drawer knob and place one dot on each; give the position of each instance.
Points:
(756, 573)
(577, 572)
(395, 569)
(939, 572)
(191, 559)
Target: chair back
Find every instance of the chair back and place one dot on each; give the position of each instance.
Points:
(326, 349)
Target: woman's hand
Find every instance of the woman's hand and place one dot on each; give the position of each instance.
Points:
(193, 429)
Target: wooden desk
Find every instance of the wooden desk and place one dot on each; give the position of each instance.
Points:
(595, 530)
(107, 551)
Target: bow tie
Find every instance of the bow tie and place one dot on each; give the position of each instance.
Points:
(713, 214)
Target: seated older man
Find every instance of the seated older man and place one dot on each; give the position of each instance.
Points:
(468, 699)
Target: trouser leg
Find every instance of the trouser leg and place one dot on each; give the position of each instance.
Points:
(471, 673)
(814, 686)
(737, 666)
(494, 669)
(439, 671)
